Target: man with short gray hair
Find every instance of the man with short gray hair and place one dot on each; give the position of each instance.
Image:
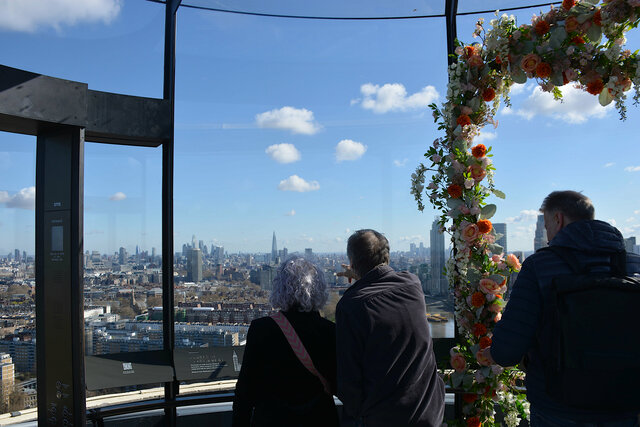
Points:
(386, 367)
(554, 288)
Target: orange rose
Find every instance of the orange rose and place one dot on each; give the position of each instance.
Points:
(568, 4)
(542, 27)
(469, 51)
(488, 94)
(463, 120)
(594, 87)
(571, 24)
(455, 191)
(469, 397)
(530, 62)
(577, 40)
(485, 342)
(597, 18)
(484, 226)
(479, 151)
(479, 330)
(474, 422)
(477, 299)
(543, 70)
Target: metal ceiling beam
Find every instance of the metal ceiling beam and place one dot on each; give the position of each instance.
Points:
(30, 102)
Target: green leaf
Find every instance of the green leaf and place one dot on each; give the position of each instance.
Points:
(467, 381)
(594, 33)
(499, 194)
(605, 97)
(496, 249)
(556, 78)
(456, 379)
(488, 211)
(454, 203)
(473, 275)
(518, 76)
(558, 34)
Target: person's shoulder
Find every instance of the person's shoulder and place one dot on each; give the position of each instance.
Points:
(262, 323)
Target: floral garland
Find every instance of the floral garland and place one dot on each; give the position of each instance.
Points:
(564, 45)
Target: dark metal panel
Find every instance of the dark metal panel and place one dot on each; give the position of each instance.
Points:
(41, 98)
(451, 10)
(123, 119)
(59, 272)
(123, 369)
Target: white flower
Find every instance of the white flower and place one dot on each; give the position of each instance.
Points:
(469, 183)
(512, 419)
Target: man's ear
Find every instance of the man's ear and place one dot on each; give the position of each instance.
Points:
(560, 219)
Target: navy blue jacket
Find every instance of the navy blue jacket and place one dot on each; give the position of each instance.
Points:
(515, 335)
(386, 367)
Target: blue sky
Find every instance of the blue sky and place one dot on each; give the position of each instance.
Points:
(307, 128)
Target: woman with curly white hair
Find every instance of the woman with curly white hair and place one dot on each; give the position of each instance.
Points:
(288, 374)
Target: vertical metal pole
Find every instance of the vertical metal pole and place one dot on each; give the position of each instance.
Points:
(451, 10)
(171, 388)
(59, 276)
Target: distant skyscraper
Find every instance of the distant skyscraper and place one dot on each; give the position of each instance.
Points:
(17, 255)
(540, 239)
(629, 244)
(122, 256)
(194, 241)
(501, 228)
(194, 265)
(308, 253)
(200, 244)
(153, 253)
(412, 249)
(274, 249)
(438, 282)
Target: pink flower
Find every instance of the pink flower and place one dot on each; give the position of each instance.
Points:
(479, 376)
(495, 308)
(497, 370)
(496, 258)
(483, 360)
(477, 172)
(457, 362)
(513, 262)
(464, 209)
(466, 110)
(475, 61)
(490, 297)
(475, 210)
(488, 286)
(489, 238)
(470, 233)
(530, 62)
(432, 186)
(436, 158)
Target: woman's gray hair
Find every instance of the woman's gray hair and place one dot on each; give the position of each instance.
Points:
(299, 285)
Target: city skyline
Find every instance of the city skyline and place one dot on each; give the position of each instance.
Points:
(311, 129)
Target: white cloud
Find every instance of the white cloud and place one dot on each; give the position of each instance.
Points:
(524, 216)
(411, 239)
(118, 196)
(31, 15)
(608, 165)
(637, 212)
(630, 219)
(577, 106)
(393, 97)
(612, 221)
(632, 169)
(292, 212)
(295, 183)
(517, 89)
(289, 118)
(349, 150)
(485, 136)
(400, 163)
(23, 199)
(283, 153)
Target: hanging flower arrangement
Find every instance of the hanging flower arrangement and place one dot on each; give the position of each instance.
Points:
(580, 43)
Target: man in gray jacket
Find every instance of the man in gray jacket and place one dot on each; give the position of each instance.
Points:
(386, 367)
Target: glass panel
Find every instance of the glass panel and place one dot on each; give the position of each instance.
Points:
(123, 240)
(114, 46)
(290, 135)
(17, 272)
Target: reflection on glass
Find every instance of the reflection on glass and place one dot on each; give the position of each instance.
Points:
(123, 278)
(17, 273)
